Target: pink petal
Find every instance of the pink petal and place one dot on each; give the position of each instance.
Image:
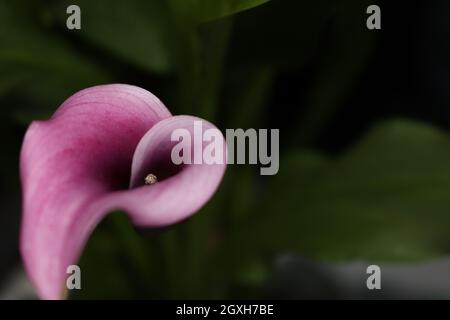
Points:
(187, 187)
(76, 167)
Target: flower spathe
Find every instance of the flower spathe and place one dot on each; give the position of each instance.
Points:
(92, 157)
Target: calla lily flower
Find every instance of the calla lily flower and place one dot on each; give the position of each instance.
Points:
(102, 150)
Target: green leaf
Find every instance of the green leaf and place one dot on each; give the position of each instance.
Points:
(386, 199)
(28, 45)
(136, 31)
(199, 11)
(38, 65)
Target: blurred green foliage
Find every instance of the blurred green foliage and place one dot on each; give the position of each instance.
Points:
(383, 199)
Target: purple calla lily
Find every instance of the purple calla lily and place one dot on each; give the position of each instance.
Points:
(92, 157)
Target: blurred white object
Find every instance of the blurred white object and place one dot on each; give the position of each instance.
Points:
(296, 277)
(17, 286)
